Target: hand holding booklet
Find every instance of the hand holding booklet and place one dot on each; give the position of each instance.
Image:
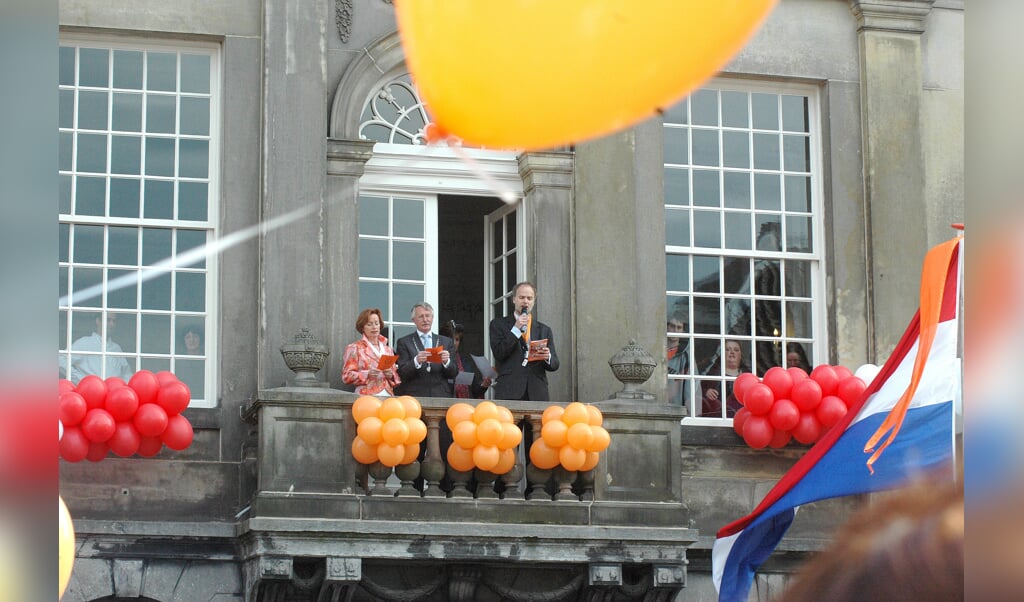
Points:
(386, 361)
(536, 348)
(435, 354)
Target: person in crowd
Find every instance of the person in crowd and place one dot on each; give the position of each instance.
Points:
(465, 363)
(97, 355)
(677, 353)
(518, 376)
(797, 357)
(732, 366)
(191, 342)
(422, 375)
(362, 358)
(192, 372)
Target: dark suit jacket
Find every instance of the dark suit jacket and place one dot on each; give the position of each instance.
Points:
(514, 379)
(421, 382)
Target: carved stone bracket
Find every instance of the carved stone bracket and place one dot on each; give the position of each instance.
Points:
(343, 11)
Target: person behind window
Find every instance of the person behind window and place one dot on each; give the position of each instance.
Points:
(191, 342)
(797, 357)
(464, 363)
(734, 365)
(362, 357)
(98, 359)
(677, 353)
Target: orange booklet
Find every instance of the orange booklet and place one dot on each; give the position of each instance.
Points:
(386, 361)
(435, 354)
(535, 347)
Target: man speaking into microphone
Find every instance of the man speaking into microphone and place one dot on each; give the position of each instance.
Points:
(522, 370)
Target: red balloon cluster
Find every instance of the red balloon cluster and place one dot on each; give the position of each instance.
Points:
(137, 417)
(790, 404)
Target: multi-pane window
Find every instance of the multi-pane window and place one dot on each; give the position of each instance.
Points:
(742, 222)
(137, 170)
(397, 257)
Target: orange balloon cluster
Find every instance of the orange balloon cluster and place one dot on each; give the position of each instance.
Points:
(389, 431)
(484, 437)
(570, 436)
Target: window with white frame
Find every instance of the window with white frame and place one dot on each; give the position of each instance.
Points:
(138, 191)
(742, 239)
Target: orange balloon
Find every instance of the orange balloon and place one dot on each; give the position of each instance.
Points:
(460, 458)
(551, 413)
(505, 414)
(506, 460)
(571, 458)
(412, 451)
(465, 434)
(596, 418)
(592, 459)
(570, 60)
(579, 435)
(511, 436)
(543, 456)
(575, 412)
(395, 432)
(411, 405)
(486, 457)
(457, 413)
(391, 408)
(65, 546)
(370, 430)
(417, 430)
(390, 455)
(366, 405)
(601, 439)
(485, 410)
(489, 432)
(363, 452)
(553, 433)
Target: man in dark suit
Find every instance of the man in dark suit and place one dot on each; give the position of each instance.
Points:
(519, 378)
(420, 377)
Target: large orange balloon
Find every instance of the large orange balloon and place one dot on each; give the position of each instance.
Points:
(366, 405)
(551, 413)
(592, 459)
(574, 413)
(580, 435)
(394, 432)
(370, 430)
(510, 436)
(391, 408)
(489, 432)
(486, 457)
(542, 455)
(601, 439)
(460, 458)
(527, 74)
(411, 405)
(596, 417)
(390, 455)
(465, 434)
(363, 452)
(417, 430)
(66, 546)
(572, 458)
(485, 410)
(457, 413)
(553, 433)
(505, 462)
(505, 414)
(412, 451)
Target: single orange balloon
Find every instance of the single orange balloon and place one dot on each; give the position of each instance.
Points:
(485, 410)
(489, 432)
(412, 451)
(592, 460)
(457, 413)
(506, 461)
(575, 412)
(411, 405)
(363, 452)
(551, 413)
(391, 408)
(370, 430)
(579, 435)
(417, 430)
(65, 546)
(553, 433)
(511, 436)
(390, 455)
(528, 74)
(366, 405)
(486, 457)
(571, 458)
(395, 432)
(460, 458)
(596, 417)
(543, 456)
(465, 434)
(601, 439)
(505, 414)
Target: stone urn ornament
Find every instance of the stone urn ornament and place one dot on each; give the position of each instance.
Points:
(305, 356)
(632, 366)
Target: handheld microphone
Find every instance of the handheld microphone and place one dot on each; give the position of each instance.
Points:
(525, 311)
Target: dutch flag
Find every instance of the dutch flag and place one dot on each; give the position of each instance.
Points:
(908, 408)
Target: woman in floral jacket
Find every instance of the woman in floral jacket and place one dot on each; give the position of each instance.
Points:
(363, 356)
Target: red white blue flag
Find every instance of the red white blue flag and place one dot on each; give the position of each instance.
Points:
(910, 404)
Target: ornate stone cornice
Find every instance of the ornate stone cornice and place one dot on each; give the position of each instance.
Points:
(902, 16)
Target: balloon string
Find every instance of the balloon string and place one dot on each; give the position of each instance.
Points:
(435, 135)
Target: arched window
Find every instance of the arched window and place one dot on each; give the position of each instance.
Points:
(394, 114)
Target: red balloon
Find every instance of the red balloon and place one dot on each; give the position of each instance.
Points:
(97, 451)
(742, 383)
(74, 446)
(71, 408)
(798, 374)
(98, 425)
(830, 411)
(808, 430)
(780, 439)
(166, 376)
(757, 431)
(842, 372)
(125, 441)
(114, 382)
(850, 389)
(150, 420)
(178, 434)
(149, 446)
(737, 421)
(784, 415)
(825, 376)
(807, 394)
(779, 381)
(759, 399)
(122, 403)
(64, 385)
(146, 385)
(93, 390)
(174, 397)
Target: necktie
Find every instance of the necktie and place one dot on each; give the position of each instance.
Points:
(426, 345)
